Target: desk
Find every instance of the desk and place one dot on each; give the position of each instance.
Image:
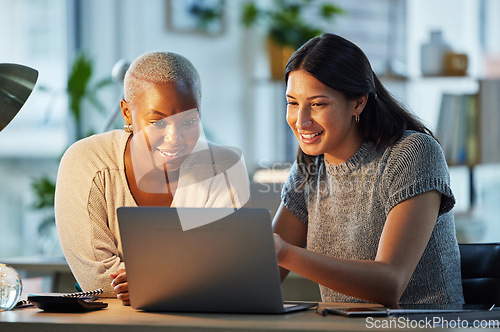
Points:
(124, 319)
(121, 318)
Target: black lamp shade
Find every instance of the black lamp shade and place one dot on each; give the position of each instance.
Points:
(16, 84)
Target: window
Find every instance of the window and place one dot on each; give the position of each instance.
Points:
(34, 33)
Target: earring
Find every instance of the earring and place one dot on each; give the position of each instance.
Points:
(128, 128)
(356, 118)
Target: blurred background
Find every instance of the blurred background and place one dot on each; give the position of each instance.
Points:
(441, 58)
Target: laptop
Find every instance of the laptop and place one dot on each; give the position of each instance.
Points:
(177, 261)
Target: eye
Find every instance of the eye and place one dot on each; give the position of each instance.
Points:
(318, 104)
(291, 103)
(159, 123)
(190, 122)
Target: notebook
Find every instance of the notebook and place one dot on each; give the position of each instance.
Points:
(228, 265)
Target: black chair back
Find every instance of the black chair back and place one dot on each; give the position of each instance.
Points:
(480, 272)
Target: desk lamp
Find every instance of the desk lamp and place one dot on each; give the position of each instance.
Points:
(16, 84)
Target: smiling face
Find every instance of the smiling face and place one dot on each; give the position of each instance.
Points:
(322, 119)
(166, 118)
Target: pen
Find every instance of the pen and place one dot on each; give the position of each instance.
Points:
(322, 311)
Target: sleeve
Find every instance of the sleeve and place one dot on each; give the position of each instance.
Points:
(415, 166)
(293, 195)
(82, 223)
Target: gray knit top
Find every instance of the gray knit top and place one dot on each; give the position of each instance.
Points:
(345, 208)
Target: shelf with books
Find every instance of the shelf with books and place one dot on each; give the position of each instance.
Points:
(467, 125)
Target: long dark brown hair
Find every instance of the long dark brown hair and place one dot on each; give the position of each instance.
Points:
(343, 66)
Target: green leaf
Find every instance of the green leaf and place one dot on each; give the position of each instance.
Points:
(289, 22)
(328, 10)
(78, 81)
(45, 190)
(250, 14)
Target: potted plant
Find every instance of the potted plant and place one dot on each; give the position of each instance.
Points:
(289, 24)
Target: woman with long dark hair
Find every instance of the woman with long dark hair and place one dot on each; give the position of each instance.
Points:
(366, 210)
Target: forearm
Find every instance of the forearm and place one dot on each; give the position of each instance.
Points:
(92, 274)
(88, 244)
(373, 281)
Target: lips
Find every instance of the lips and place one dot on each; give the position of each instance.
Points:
(311, 136)
(170, 153)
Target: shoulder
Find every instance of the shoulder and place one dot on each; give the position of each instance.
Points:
(225, 151)
(225, 156)
(413, 146)
(415, 156)
(97, 149)
(415, 141)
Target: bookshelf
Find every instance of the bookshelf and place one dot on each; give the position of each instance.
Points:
(468, 125)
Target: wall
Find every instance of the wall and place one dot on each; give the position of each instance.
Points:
(115, 30)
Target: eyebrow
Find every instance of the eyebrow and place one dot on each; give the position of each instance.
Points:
(155, 112)
(310, 98)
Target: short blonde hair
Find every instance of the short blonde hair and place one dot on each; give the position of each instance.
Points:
(158, 68)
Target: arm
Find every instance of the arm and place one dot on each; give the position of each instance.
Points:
(404, 238)
(291, 230)
(82, 223)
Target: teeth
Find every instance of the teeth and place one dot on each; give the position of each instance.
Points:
(169, 154)
(310, 136)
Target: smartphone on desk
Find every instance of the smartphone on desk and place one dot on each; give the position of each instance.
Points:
(355, 311)
(405, 310)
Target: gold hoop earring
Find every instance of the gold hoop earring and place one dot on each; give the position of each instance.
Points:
(356, 118)
(128, 128)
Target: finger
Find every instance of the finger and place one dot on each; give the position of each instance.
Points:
(121, 288)
(124, 297)
(115, 274)
(121, 278)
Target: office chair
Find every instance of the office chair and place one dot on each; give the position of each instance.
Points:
(480, 272)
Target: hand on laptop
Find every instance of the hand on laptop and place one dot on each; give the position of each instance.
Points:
(120, 286)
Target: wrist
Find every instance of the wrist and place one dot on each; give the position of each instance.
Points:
(284, 255)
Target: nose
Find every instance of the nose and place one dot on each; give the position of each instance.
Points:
(304, 119)
(173, 134)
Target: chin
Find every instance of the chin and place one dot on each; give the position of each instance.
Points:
(171, 165)
(311, 152)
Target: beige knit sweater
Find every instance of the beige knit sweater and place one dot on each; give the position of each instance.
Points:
(92, 184)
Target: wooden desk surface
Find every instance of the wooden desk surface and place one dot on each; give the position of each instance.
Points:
(121, 318)
(124, 319)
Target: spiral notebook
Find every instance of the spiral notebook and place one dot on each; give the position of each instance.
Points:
(70, 302)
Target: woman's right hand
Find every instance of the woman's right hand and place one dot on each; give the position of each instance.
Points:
(281, 247)
(120, 286)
